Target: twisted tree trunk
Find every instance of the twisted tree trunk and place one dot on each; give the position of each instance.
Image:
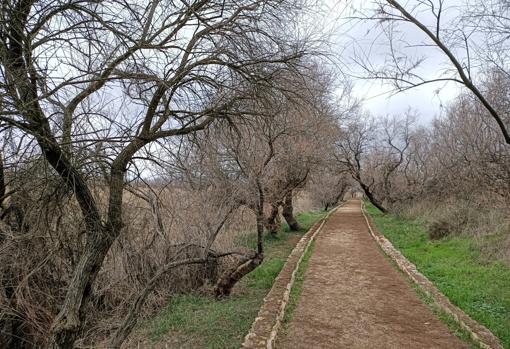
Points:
(372, 198)
(227, 281)
(273, 223)
(288, 213)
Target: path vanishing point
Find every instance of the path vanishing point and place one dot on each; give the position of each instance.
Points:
(354, 298)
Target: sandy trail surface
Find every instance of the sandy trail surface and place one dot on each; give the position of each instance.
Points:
(354, 298)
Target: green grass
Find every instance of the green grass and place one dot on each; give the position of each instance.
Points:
(479, 287)
(307, 220)
(201, 322)
(445, 317)
(198, 321)
(297, 288)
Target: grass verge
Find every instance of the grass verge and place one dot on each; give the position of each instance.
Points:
(198, 321)
(297, 288)
(479, 287)
(445, 317)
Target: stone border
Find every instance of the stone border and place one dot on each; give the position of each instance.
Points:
(265, 328)
(479, 333)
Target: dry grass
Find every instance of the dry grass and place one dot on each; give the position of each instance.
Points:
(55, 240)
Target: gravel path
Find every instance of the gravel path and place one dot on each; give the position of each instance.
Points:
(354, 298)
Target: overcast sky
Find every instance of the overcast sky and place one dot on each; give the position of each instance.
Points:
(426, 100)
(352, 37)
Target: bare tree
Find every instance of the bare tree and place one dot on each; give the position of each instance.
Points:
(353, 144)
(310, 120)
(248, 154)
(329, 187)
(376, 153)
(267, 153)
(467, 154)
(460, 41)
(96, 84)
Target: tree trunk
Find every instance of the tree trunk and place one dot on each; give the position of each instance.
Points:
(371, 197)
(273, 223)
(13, 336)
(2, 182)
(224, 286)
(67, 324)
(227, 281)
(340, 195)
(288, 213)
(335, 201)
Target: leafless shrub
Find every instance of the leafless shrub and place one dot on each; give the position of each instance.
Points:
(92, 96)
(329, 188)
(439, 230)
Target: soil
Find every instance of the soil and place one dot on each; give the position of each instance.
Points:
(354, 298)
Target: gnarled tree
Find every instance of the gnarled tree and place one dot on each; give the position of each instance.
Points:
(97, 83)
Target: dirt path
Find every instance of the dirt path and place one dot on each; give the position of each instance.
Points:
(354, 298)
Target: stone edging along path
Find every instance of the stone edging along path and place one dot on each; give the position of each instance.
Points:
(265, 328)
(479, 334)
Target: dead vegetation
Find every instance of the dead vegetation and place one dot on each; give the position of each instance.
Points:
(138, 141)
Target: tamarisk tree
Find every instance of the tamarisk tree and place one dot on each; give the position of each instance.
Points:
(96, 83)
